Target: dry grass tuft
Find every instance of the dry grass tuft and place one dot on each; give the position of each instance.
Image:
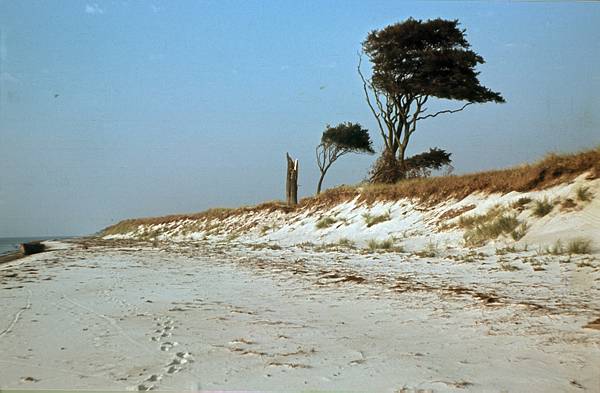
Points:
(584, 194)
(550, 171)
(579, 246)
(488, 226)
(542, 208)
(520, 203)
(371, 220)
(325, 222)
(383, 245)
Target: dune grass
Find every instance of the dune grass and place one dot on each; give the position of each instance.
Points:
(542, 208)
(479, 228)
(552, 170)
(584, 194)
(371, 219)
(325, 222)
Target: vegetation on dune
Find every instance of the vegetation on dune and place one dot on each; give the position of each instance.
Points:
(574, 246)
(584, 194)
(412, 62)
(542, 208)
(325, 222)
(371, 219)
(548, 172)
(497, 221)
(386, 245)
(338, 141)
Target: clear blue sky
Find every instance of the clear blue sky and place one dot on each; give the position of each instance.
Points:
(168, 107)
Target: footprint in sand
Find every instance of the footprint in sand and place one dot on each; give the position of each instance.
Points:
(167, 346)
(163, 329)
(180, 359)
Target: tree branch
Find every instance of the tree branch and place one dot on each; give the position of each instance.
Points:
(377, 116)
(445, 111)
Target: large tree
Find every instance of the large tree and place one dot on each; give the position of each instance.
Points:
(338, 141)
(414, 61)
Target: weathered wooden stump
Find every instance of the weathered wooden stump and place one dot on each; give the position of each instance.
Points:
(291, 184)
(32, 248)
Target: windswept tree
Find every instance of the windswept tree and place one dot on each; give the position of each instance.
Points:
(421, 165)
(340, 140)
(412, 62)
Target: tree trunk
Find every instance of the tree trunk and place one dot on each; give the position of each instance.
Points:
(320, 182)
(291, 184)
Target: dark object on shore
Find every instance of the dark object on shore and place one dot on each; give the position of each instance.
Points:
(32, 248)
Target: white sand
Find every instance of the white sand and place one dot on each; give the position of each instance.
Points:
(216, 315)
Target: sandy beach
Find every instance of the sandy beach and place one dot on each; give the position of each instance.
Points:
(220, 315)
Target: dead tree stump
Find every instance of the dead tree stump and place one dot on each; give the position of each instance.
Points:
(291, 184)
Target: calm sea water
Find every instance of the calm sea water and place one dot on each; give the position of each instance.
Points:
(10, 244)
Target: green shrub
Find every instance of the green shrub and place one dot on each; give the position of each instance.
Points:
(542, 208)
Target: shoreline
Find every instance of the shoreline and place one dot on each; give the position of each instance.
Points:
(11, 256)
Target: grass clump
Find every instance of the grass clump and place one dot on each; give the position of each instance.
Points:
(371, 220)
(579, 246)
(542, 208)
(481, 228)
(505, 250)
(520, 203)
(430, 251)
(568, 204)
(325, 222)
(584, 194)
(374, 245)
(520, 231)
(345, 242)
(574, 246)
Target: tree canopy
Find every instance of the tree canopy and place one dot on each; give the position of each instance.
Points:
(413, 61)
(340, 140)
(432, 58)
(349, 137)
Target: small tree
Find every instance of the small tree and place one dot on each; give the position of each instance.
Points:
(340, 140)
(387, 168)
(414, 61)
(421, 165)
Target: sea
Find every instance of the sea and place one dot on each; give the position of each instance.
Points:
(11, 244)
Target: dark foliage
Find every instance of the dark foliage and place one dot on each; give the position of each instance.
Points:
(388, 169)
(414, 61)
(350, 137)
(421, 165)
(339, 140)
(431, 58)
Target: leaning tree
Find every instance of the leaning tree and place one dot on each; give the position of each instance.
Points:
(340, 140)
(414, 61)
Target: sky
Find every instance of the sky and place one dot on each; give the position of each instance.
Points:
(120, 109)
